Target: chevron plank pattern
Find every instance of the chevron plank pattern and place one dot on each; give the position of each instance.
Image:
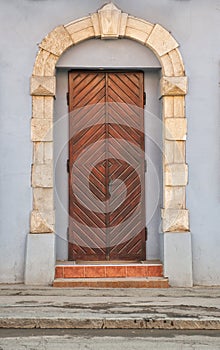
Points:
(106, 183)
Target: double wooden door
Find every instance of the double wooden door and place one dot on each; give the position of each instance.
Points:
(106, 166)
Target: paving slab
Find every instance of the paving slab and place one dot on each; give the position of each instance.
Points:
(49, 307)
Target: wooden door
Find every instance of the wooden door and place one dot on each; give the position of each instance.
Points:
(106, 163)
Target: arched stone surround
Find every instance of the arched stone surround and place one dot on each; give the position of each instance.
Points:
(110, 23)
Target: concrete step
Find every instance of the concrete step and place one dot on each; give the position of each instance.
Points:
(126, 282)
(122, 270)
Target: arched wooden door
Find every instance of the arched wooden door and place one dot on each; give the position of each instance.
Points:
(106, 166)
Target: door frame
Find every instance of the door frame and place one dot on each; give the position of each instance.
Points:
(175, 217)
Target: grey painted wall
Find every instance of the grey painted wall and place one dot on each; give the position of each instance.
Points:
(195, 25)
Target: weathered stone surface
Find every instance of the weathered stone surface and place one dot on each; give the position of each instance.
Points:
(179, 106)
(161, 41)
(177, 62)
(176, 175)
(173, 86)
(109, 20)
(57, 41)
(43, 199)
(41, 58)
(38, 107)
(78, 25)
(168, 106)
(140, 25)
(167, 66)
(48, 151)
(95, 23)
(136, 35)
(179, 152)
(50, 65)
(123, 24)
(42, 175)
(83, 35)
(175, 220)
(41, 130)
(43, 86)
(42, 222)
(38, 152)
(174, 197)
(42, 107)
(175, 128)
(168, 152)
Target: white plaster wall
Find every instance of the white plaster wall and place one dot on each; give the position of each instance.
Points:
(195, 25)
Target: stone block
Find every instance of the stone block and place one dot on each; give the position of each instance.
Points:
(83, 35)
(50, 65)
(174, 197)
(161, 41)
(43, 86)
(177, 63)
(40, 259)
(48, 151)
(178, 249)
(42, 107)
(41, 130)
(136, 35)
(109, 20)
(172, 86)
(42, 175)
(140, 25)
(38, 107)
(175, 175)
(41, 58)
(179, 106)
(57, 41)
(168, 152)
(167, 66)
(168, 106)
(43, 199)
(38, 152)
(175, 220)
(123, 24)
(42, 221)
(78, 25)
(95, 23)
(175, 129)
(179, 152)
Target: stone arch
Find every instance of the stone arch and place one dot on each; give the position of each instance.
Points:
(110, 23)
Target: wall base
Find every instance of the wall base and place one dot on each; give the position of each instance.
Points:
(178, 259)
(40, 259)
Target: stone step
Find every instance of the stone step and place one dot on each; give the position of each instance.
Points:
(127, 282)
(68, 270)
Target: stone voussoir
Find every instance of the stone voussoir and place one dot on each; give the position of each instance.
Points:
(161, 41)
(57, 41)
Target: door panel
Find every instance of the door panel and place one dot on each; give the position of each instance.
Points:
(106, 151)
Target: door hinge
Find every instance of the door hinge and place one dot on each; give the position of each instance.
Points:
(145, 165)
(68, 165)
(68, 233)
(67, 98)
(145, 233)
(145, 98)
